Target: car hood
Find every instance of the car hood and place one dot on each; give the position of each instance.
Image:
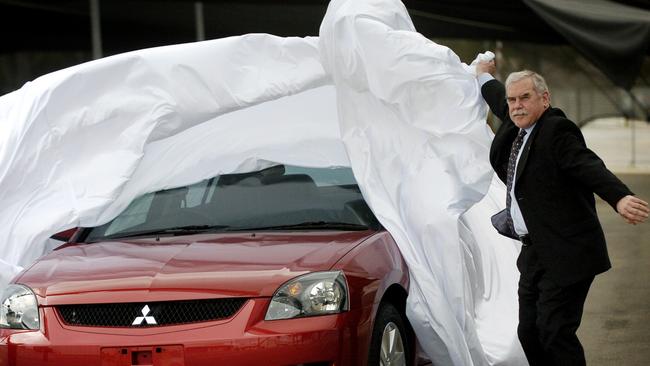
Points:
(188, 267)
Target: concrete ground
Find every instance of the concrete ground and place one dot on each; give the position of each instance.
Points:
(623, 144)
(616, 323)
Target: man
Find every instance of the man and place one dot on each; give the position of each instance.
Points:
(551, 176)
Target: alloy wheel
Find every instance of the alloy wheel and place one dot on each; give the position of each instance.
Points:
(392, 347)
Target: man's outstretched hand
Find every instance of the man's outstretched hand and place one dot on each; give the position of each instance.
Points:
(633, 210)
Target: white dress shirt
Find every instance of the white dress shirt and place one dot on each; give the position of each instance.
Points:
(515, 211)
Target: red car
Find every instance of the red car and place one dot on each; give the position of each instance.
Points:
(283, 266)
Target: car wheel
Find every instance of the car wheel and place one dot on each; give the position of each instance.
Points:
(389, 345)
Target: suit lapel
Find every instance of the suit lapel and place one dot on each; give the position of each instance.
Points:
(500, 149)
(521, 165)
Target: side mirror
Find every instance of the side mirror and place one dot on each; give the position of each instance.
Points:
(64, 235)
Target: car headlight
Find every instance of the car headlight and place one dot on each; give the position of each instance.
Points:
(19, 308)
(313, 294)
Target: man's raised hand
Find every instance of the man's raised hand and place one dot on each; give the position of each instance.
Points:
(486, 66)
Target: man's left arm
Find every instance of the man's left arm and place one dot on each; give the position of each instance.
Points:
(583, 165)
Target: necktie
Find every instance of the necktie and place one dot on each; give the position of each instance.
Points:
(512, 163)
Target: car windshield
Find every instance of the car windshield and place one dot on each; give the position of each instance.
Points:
(277, 198)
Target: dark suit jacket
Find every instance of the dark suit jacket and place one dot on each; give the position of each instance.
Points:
(556, 178)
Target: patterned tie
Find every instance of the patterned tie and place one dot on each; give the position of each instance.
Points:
(512, 162)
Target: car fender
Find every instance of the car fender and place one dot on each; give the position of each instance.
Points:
(371, 268)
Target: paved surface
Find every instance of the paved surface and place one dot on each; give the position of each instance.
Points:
(616, 323)
(624, 145)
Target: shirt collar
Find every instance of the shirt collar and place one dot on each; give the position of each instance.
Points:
(530, 129)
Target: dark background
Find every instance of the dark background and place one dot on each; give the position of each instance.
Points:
(37, 37)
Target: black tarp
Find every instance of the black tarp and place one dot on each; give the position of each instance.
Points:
(614, 37)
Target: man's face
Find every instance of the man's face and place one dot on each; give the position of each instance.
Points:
(525, 105)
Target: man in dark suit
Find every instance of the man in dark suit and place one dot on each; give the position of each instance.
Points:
(551, 177)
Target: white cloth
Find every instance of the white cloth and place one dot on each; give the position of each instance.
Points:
(413, 120)
(484, 78)
(72, 141)
(78, 145)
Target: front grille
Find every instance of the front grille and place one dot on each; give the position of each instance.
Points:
(158, 314)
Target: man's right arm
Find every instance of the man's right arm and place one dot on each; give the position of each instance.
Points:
(494, 94)
(493, 91)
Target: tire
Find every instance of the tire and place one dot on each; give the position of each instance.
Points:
(390, 331)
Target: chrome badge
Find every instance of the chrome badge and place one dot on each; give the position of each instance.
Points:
(149, 319)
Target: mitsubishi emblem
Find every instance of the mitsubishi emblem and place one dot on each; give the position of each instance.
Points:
(149, 319)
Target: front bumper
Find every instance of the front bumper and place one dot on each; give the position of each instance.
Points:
(244, 339)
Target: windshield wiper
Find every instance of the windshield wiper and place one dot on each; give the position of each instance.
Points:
(321, 225)
(177, 230)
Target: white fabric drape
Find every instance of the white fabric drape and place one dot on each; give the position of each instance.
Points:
(77, 145)
(413, 123)
(72, 141)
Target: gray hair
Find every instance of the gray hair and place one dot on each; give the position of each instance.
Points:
(539, 84)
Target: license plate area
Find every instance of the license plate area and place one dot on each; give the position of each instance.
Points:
(143, 356)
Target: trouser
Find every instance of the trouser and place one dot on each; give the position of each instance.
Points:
(549, 315)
